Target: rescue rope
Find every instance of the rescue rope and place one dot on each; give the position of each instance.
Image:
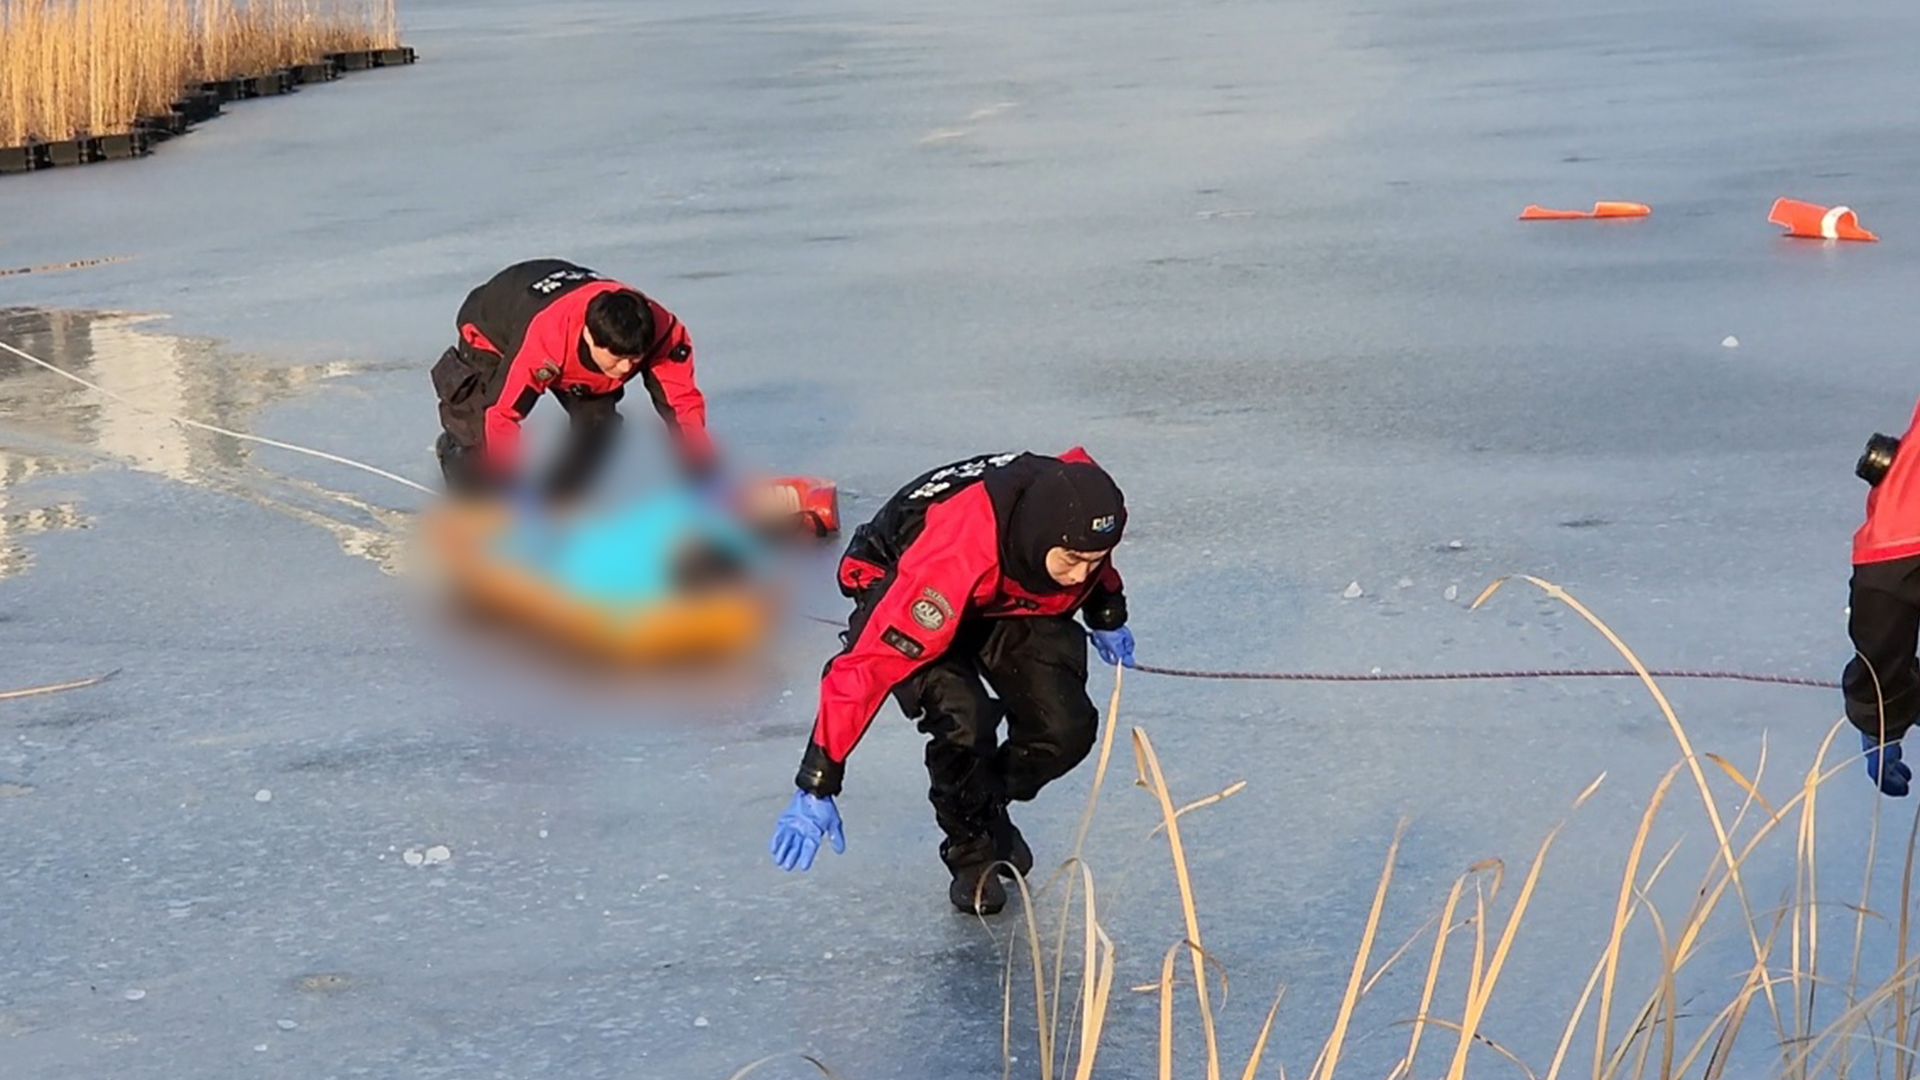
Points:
(1456, 676)
(241, 435)
(1170, 672)
(76, 264)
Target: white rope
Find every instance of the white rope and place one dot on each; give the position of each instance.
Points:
(241, 435)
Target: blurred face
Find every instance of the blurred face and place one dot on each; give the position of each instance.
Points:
(617, 366)
(1070, 568)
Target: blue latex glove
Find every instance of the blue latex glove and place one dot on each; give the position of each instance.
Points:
(796, 837)
(1114, 646)
(1884, 766)
(716, 488)
(711, 488)
(525, 501)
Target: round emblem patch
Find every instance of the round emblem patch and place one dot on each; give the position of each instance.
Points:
(545, 373)
(928, 614)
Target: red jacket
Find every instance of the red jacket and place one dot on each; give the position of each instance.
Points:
(949, 570)
(547, 356)
(1892, 528)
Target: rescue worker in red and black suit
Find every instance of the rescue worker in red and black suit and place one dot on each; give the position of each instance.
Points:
(551, 326)
(1881, 684)
(972, 572)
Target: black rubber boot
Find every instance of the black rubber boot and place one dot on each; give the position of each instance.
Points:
(460, 466)
(975, 888)
(1010, 847)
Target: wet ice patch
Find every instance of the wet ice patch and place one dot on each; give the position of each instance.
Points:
(149, 378)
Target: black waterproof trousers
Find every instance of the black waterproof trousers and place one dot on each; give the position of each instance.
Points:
(1037, 667)
(1885, 620)
(468, 382)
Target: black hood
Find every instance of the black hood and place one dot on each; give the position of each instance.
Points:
(1042, 503)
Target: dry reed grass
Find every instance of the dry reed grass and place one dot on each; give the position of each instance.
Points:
(93, 67)
(58, 688)
(1876, 1025)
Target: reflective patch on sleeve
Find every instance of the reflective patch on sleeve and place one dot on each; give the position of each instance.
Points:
(927, 614)
(905, 645)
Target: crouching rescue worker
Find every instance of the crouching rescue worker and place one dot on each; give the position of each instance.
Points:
(1881, 683)
(969, 578)
(550, 326)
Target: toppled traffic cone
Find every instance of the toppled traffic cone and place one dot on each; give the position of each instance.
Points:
(1804, 219)
(1600, 210)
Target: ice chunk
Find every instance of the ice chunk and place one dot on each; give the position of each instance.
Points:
(1354, 591)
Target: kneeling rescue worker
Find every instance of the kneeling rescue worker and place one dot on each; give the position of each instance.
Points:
(972, 572)
(551, 326)
(1881, 684)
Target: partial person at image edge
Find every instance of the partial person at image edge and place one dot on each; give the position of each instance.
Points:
(1881, 684)
(971, 575)
(551, 326)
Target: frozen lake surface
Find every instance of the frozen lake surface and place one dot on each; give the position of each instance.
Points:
(1260, 259)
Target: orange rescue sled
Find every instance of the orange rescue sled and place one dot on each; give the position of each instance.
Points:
(702, 624)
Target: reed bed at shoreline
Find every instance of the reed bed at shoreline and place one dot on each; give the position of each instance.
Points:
(74, 68)
(1803, 983)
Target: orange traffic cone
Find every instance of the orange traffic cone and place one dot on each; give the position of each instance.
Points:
(1600, 210)
(1817, 222)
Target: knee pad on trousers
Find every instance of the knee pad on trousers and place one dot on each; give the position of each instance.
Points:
(1027, 767)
